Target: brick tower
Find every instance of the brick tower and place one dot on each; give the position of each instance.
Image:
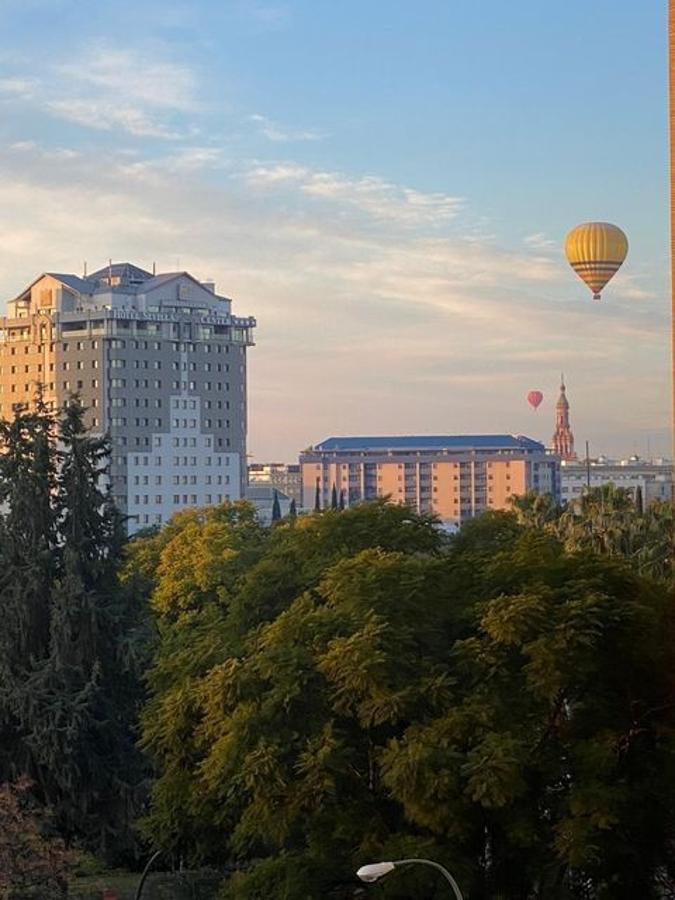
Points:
(563, 439)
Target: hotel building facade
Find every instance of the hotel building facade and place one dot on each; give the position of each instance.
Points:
(455, 477)
(159, 362)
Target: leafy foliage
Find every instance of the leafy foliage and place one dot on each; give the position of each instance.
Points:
(351, 686)
(33, 863)
(607, 520)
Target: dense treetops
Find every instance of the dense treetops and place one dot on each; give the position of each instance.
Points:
(354, 685)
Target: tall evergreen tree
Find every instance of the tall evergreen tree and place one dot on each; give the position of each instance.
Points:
(334, 498)
(341, 503)
(27, 568)
(73, 699)
(276, 508)
(293, 509)
(317, 496)
(639, 501)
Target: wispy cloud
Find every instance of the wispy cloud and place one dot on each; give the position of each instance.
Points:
(105, 116)
(134, 77)
(108, 89)
(20, 88)
(378, 198)
(540, 241)
(279, 134)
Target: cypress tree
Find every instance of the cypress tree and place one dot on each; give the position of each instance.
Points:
(341, 504)
(293, 509)
(334, 498)
(639, 502)
(317, 496)
(276, 508)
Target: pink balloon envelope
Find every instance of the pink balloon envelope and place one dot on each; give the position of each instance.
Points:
(534, 398)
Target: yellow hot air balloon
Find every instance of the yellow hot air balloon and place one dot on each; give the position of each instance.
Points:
(595, 250)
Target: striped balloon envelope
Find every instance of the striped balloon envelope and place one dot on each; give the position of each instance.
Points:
(595, 250)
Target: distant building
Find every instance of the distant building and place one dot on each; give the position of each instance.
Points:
(455, 477)
(159, 362)
(284, 477)
(653, 478)
(563, 439)
(262, 497)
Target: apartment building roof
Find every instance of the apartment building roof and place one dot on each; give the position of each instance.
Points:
(431, 442)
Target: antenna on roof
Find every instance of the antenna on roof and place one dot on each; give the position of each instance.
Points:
(154, 268)
(84, 273)
(110, 272)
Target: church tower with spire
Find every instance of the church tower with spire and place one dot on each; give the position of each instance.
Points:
(563, 439)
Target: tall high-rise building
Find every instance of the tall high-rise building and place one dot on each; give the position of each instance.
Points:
(455, 477)
(160, 363)
(563, 439)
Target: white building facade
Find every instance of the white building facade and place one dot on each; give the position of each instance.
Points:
(653, 478)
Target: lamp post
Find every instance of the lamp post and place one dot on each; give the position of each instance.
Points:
(146, 870)
(375, 871)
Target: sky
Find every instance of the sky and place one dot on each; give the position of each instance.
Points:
(385, 185)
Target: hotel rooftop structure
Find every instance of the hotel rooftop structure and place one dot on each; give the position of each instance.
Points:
(455, 477)
(159, 360)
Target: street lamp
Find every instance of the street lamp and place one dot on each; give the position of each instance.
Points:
(146, 871)
(374, 871)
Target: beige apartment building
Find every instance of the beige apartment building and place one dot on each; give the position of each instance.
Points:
(455, 477)
(159, 361)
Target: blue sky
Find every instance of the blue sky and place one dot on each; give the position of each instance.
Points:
(386, 186)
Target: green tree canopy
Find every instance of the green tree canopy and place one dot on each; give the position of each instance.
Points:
(354, 686)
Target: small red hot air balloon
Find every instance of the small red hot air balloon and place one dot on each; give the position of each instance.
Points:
(534, 398)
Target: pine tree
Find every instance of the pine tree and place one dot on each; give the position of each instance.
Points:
(293, 509)
(317, 496)
(341, 504)
(334, 498)
(276, 508)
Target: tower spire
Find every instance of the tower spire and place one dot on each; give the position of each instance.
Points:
(563, 439)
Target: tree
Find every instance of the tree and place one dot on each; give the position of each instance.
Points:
(609, 521)
(549, 766)
(341, 503)
(359, 688)
(334, 498)
(639, 502)
(293, 509)
(317, 496)
(276, 508)
(210, 635)
(70, 704)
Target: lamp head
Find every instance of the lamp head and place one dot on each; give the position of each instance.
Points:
(374, 871)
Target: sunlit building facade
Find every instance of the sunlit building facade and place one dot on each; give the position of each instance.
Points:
(455, 477)
(159, 360)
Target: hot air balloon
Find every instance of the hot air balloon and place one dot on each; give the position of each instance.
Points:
(595, 250)
(534, 398)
